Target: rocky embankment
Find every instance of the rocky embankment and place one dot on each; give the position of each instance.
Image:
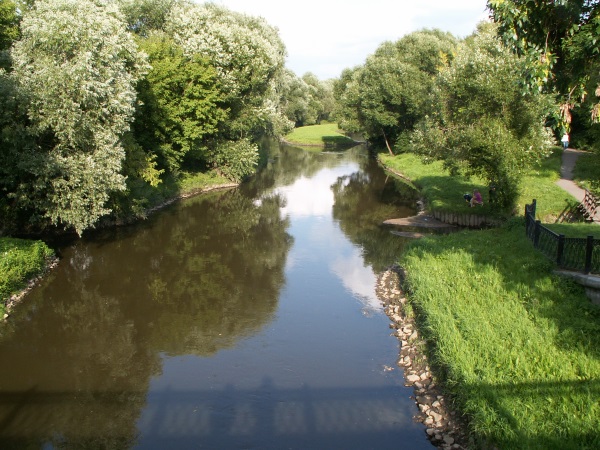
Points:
(441, 423)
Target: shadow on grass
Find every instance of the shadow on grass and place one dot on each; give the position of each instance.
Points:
(445, 193)
(338, 142)
(556, 435)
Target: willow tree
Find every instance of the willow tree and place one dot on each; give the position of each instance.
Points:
(75, 70)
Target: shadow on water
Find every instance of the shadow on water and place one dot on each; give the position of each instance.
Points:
(265, 417)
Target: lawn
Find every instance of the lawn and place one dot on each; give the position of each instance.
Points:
(325, 135)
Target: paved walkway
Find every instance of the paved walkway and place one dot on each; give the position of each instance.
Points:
(569, 158)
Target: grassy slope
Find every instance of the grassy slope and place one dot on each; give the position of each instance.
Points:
(519, 348)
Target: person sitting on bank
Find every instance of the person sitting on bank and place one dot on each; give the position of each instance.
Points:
(477, 199)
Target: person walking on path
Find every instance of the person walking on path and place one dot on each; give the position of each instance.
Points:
(565, 141)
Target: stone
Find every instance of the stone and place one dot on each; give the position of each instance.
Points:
(449, 440)
(430, 432)
(435, 416)
(412, 378)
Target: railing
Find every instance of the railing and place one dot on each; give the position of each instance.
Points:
(578, 254)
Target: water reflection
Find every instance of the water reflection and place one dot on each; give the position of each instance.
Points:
(235, 319)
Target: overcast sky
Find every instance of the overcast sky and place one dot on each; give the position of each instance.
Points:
(327, 36)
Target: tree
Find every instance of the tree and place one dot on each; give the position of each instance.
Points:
(248, 56)
(145, 16)
(181, 107)
(387, 96)
(75, 69)
(247, 53)
(9, 26)
(559, 39)
(483, 124)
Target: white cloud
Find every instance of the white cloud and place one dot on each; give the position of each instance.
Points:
(326, 36)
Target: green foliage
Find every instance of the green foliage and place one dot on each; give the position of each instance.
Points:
(9, 26)
(234, 160)
(246, 52)
(517, 346)
(182, 104)
(389, 94)
(20, 260)
(559, 42)
(144, 16)
(483, 124)
(75, 69)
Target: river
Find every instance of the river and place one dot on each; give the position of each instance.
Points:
(244, 319)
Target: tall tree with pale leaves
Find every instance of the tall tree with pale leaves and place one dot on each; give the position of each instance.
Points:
(75, 70)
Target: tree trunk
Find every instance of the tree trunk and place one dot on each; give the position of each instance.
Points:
(387, 144)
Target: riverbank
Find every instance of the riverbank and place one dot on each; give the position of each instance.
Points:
(22, 263)
(511, 346)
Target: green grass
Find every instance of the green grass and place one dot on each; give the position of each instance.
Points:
(587, 172)
(325, 135)
(540, 183)
(20, 260)
(444, 192)
(519, 348)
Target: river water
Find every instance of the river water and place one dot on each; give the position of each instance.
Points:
(243, 319)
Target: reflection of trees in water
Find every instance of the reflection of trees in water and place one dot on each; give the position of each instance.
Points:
(77, 375)
(83, 347)
(287, 163)
(363, 200)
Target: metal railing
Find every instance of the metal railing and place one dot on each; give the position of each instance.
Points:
(578, 254)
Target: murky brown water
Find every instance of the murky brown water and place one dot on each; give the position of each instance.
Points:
(241, 319)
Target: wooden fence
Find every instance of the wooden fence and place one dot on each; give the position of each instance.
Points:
(578, 254)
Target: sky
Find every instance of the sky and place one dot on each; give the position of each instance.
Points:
(327, 36)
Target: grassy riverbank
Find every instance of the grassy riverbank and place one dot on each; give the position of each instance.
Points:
(20, 260)
(518, 348)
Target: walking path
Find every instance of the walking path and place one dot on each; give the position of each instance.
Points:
(569, 158)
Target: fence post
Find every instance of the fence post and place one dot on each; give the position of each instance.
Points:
(560, 250)
(536, 233)
(589, 248)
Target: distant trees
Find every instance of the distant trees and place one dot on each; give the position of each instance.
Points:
(459, 102)
(386, 97)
